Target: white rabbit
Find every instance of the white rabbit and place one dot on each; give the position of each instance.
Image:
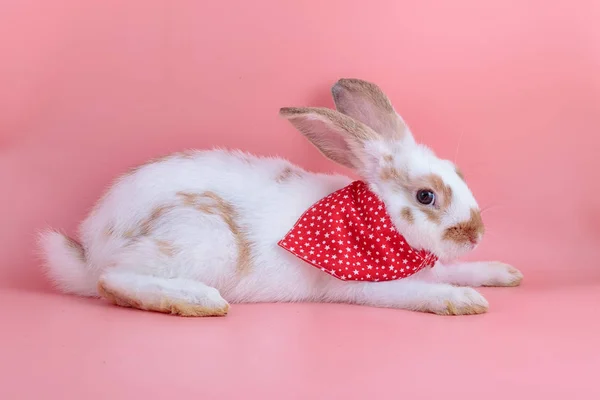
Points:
(192, 232)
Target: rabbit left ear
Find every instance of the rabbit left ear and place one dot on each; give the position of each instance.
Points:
(366, 102)
(337, 136)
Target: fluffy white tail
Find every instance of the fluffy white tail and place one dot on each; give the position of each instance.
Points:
(66, 264)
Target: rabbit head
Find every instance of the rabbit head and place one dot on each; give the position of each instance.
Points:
(426, 197)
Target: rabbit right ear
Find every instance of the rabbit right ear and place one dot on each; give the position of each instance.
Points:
(337, 136)
(366, 102)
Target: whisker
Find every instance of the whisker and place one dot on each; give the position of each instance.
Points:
(458, 146)
(485, 209)
(492, 234)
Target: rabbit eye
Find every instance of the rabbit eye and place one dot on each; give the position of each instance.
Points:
(426, 197)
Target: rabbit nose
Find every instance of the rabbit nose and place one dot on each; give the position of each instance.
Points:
(469, 231)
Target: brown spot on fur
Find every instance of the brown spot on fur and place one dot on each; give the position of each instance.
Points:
(388, 158)
(154, 160)
(450, 308)
(166, 305)
(165, 247)
(407, 214)
(287, 174)
(206, 209)
(392, 174)
(184, 309)
(243, 156)
(109, 231)
(186, 154)
(460, 174)
(76, 247)
(470, 309)
(116, 298)
(515, 274)
(466, 232)
(516, 282)
(517, 277)
(149, 223)
(189, 199)
(432, 214)
(229, 215)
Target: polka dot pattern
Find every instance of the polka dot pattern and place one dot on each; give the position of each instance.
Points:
(349, 235)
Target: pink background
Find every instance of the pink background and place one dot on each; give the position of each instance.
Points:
(88, 89)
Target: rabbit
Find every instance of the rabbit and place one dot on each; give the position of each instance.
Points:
(192, 232)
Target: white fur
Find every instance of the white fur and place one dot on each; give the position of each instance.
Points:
(203, 269)
(64, 267)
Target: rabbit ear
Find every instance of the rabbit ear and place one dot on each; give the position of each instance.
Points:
(337, 136)
(365, 102)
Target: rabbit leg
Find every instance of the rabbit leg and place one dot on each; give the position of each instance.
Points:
(409, 294)
(481, 273)
(172, 296)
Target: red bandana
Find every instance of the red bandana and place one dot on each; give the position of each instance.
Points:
(349, 235)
